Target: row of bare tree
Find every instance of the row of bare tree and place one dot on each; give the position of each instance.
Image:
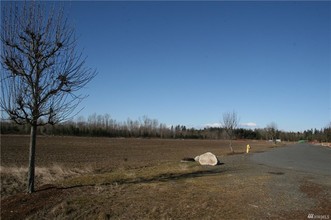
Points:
(97, 125)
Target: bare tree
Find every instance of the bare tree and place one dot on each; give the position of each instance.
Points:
(41, 70)
(271, 130)
(230, 123)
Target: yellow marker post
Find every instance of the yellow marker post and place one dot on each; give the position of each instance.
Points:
(247, 148)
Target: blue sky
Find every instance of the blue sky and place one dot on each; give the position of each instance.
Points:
(189, 62)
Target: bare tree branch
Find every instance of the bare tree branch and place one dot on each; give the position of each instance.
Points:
(40, 59)
(271, 130)
(230, 123)
(41, 68)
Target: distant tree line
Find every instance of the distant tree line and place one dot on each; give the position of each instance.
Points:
(104, 126)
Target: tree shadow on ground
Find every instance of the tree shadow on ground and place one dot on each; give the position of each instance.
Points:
(25, 204)
(164, 177)
(174, 176)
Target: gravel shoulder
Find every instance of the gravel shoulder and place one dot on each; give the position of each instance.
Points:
(287, 193)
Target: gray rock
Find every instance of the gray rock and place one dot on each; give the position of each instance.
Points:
(196, 158)
(208, 159)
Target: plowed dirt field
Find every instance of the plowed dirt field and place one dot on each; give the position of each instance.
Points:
(103, 178)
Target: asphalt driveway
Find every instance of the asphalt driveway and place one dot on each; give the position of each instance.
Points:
(301, 157)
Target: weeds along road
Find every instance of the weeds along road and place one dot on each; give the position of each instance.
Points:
(301, 157)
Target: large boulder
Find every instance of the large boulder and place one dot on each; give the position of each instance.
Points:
(208, 159)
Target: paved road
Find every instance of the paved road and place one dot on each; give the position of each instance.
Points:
(302, 157)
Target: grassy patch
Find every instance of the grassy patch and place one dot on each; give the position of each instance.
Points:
(14, 178)
(161, 172)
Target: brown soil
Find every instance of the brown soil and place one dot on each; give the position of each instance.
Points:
(113, 152)
(143, 179)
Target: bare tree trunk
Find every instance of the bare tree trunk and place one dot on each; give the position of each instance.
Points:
(231, 148)
(32, 155)
(230, 123)
(41, 69)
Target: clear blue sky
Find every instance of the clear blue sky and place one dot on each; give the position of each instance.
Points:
(189, 62)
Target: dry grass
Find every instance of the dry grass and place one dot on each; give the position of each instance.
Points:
(14, 178)
(162, 172)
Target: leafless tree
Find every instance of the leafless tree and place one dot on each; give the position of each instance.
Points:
(271, 130)
(230, 123)
(41, 69)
